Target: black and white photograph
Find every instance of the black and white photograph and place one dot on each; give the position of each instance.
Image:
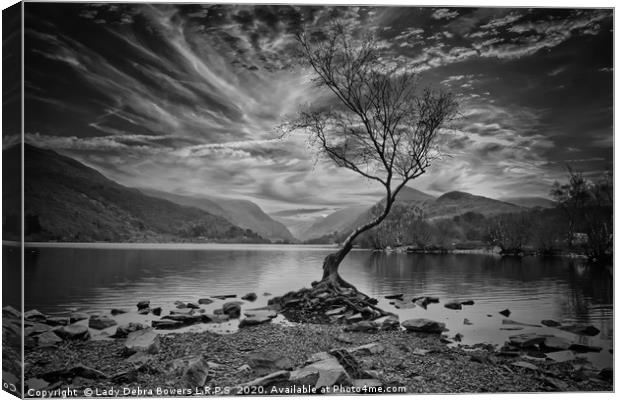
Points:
(210, 199)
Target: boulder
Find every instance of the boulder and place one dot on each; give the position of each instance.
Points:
(550, 323)
(57, 321)
(232, 309)
(554, 343)
(124, 330)
(585, 330)
(196, 374)
(78, 316)
(100, 322)
(144, 340)
(249, 297)
(268, 361)
(362, 326)
(505, 313)
(388, 323)
(423, 325)
(330, 373)
(274, 377)
(453, 305)
(143, 304)
(117, 311)
(306, 377)
(156, 311)
(511, 322)
(48, 339)
(34, 315)
(527, 340)
(166, 324)
(584, 348)
(367, 349)
(73, 332)
(336, 311)
(192, 306)
(252, 321)
(10, 312)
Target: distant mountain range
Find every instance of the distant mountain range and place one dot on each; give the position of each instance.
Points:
(445, 206)
(67, 201)
(242, 213)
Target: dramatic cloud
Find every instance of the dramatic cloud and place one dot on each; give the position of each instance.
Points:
(188, 98)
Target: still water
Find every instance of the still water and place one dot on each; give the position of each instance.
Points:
(95, 278)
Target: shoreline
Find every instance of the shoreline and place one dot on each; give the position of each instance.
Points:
(420, 362)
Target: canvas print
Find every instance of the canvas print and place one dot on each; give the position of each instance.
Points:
(226, 199)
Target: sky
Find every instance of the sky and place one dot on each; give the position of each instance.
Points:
(188, 98)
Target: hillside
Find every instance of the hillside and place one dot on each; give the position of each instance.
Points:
(457, 203)
(242, 213)
(68, 201)
(530, 202)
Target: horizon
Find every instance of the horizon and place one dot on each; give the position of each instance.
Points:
(216, 78)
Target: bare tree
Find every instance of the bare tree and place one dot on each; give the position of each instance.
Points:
(379, 125)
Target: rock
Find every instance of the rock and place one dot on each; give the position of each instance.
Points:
(554, 343)
(398, 296)
(205, 301)
(144, 311)
(583, 348)
(550, 323)
(388, 323)
(196, 374)
(511, 322)
(124, 330)
(467, 322)
(330, 373)
(420, 352)
(360, 383)
(225, 296)
(57, 321)
(467, 303)
(423, 325)
(458, 337)
(344, 339)
(588, 330)
(252, 321)
(320, 356)
(265, 362)
(156, 311)
(526, 365)
(143, 304)
(100, 322)
(10, 312)
(117, 311)
(266, 294)
(367, 349)
(73, 332)
(261, 314)
(511, 328)
(401, 304)
(336, 311)
(36, 384)
(186, 319)
(144, 340)
(556, 383)
(561, 356)
(34, 328)
(166, 324)
(193, 306)
(78, 316)
(34, 315)
(362, 326)
(453, 305)
(306, 377)
(274, 377)
(354, 318)
(232, 309)
(505, 313)
(527, 339)
(48, 339)
(249, 297)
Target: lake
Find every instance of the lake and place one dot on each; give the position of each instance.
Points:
(97, 277)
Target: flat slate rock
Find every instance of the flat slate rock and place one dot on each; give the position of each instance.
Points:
(561, 356)
(100, 322)
(144, 340)
(555, 343)
(423, 325)
(73, 332)
(253, 321)
(527, 339)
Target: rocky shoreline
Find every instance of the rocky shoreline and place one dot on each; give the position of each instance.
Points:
(342, 342)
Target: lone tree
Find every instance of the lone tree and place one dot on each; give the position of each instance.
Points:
(378, 124)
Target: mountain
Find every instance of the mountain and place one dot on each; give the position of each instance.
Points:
(67, 201)
(457, 203)
(530, 202)
(242, 213)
